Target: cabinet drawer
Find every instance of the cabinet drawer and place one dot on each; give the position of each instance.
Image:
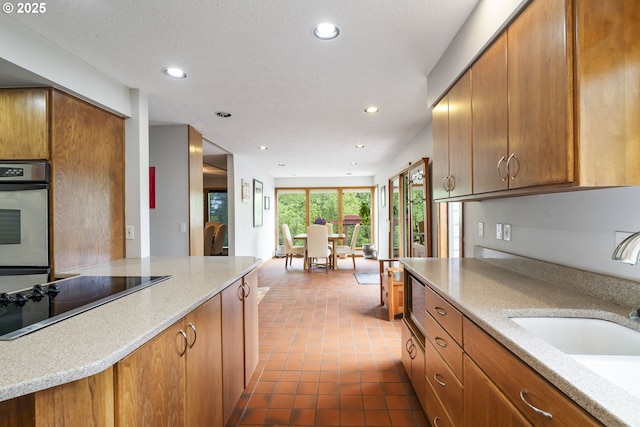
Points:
(444, 383)
(436, 414)
(514, 378)
(444, 345)
(445, 314)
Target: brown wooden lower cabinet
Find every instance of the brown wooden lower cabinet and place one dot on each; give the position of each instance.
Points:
(87, 402)
(175, 379)
(413, 361)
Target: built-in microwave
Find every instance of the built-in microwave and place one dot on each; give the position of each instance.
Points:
(417, 304)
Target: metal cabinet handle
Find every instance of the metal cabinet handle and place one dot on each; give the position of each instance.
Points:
(502, 178)
(182, 351)
(452, 179)
(407, 345)
(445, 183)
(195, 334)
(435, 421)
(523, 394)
(240, 292)
(441, 311)
(435, 377)
(412, 353)
(517, 163)
(247, 290)
(440, 341)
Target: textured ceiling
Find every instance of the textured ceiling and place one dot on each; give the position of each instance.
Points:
(301, 97)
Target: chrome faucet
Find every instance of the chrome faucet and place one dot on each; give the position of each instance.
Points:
(628, 251)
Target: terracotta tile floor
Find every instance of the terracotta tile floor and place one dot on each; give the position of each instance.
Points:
(327, 356)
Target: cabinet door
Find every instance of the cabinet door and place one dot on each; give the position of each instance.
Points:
(406, 348)
(440, 126)
(24, 125)
(460, 137)
(251, 341)
(150, 386)
(484, 404)
(418, 379)
(540, 92)
(490, 119)
(232, 346)
(204, 365)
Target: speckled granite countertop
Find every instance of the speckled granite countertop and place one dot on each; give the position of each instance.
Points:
(488, 293)
(90, 342)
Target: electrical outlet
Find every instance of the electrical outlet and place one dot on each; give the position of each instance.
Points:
(507, 232)
(129, 234)
(499, 231)
(481, 229)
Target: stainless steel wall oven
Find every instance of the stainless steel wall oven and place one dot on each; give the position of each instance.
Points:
(24, 224)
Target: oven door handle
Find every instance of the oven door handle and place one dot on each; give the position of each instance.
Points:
(23, 186)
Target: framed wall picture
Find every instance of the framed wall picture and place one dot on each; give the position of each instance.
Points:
(246, 191)
(257, 203)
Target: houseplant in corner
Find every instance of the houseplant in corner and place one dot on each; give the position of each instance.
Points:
(368, 249)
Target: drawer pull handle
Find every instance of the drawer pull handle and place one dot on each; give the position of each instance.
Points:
(408, 345)
(440, 341)
(435, 377)
(435, 421)
(503, 179)
(523, 394)
(441, 311)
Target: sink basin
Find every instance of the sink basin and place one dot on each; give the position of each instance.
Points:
(583, 335)
(608, 349)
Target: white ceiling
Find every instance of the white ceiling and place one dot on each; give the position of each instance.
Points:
(301, 97)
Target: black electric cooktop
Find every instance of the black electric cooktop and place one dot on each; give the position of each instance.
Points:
(32, 309)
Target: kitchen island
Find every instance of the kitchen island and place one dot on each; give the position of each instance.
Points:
(488, 292)
(97, 340)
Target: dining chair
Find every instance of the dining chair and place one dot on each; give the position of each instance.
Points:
(289, 249)
(209, 234)
(218, 240)
(351, 249)
(317, 247)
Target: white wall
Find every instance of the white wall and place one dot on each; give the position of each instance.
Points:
(244, 238)
(169, 153)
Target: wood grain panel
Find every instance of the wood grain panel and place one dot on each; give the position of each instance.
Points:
(204, 365)
(540, 94)
(24, 124)
(87, 184)
(608, 102)
(196, 186)
(150, 386)
(460, 154)
(490, 118)
(18, 412)
(83, 403)
(232, 347)
(440, 126)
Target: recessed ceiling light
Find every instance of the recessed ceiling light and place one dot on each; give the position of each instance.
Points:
(174, 72)
(349, 173)
(354, 163)
(326, 31)
(371, 110)
(280, 164)
(263, 148)
(223, 114)
(360, 146)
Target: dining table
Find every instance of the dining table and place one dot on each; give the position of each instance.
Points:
(333, 239)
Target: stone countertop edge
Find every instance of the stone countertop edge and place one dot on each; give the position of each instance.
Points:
(90, 342)
(488, 295)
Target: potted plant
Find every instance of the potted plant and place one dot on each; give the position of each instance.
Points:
(368, 249)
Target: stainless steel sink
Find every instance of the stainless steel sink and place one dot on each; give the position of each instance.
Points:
(609, 349)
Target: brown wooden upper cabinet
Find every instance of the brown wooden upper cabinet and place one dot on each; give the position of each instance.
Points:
(452, 141)
(554, 100)
(24, 124)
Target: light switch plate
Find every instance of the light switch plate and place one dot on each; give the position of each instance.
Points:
(481, 229)
(506, 233)
(499, 231)
(129, 234)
